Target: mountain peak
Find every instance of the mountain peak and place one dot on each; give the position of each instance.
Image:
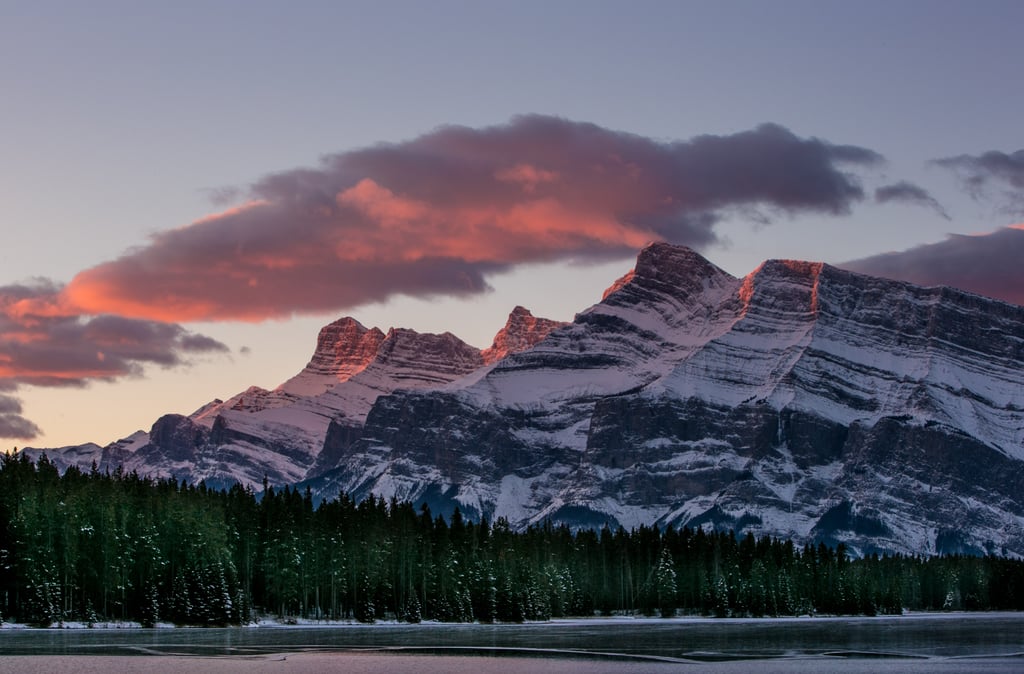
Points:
(805, 271)
(522, 331)
(668, 271)
(343, 349)
(792, 284)
(667, 262)
(672, 269)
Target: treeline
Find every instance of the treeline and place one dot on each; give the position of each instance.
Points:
(99, 546)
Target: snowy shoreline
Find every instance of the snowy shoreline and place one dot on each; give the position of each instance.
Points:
(274, 623)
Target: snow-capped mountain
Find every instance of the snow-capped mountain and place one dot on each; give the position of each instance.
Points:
(281, 434)
(801, 401)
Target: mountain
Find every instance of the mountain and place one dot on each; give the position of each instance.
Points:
(801, 401)
(285, 434)
(522, 331)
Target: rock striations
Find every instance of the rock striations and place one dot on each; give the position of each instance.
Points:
(801, 401)
(522, 331)
(299, 428)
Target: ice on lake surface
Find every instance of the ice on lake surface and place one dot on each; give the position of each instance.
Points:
(927, 642)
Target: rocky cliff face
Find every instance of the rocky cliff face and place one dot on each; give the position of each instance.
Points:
(801, 401)
(343, 349)
(522, 331)
(304, 425)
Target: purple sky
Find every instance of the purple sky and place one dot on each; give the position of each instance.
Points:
(191, 189)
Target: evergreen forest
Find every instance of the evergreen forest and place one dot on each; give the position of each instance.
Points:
(92, 546)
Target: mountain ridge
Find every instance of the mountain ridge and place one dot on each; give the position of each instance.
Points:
(279, 434)
(693, 397)
(802, 400)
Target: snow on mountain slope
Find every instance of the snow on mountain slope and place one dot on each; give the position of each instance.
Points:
(801, 401)
(635, 335)
(852, 349)
(281, 434)
(343, 379)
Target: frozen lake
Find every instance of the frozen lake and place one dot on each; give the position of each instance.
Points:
(934, 642)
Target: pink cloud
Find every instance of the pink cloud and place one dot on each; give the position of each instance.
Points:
(438, 214)
(526, 175)
(42, 344)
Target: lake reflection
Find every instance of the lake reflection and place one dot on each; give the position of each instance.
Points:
(945, 635)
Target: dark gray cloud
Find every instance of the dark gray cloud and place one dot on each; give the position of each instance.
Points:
(989, 264)
(981, 174)
(42, 344)
(12, 424)
(438, 214)
(9, 405)
(909, 193)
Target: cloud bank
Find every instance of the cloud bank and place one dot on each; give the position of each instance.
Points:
(987, 264)
(41, 344)
(438, 214)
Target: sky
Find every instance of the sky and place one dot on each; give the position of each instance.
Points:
(190, 190)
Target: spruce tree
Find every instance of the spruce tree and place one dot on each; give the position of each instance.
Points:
(412, 609)
(665, 584)
(149, 612)
(365, 610)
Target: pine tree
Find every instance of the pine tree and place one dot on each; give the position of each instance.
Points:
(508, 603)
(484, 592)
(720, 597)
(149, 613)
(45, 601)
(90, 614)
(182, 611)
(365, 611)
(143, 550)
(665, 584)
(758, 589)
(412, 609)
